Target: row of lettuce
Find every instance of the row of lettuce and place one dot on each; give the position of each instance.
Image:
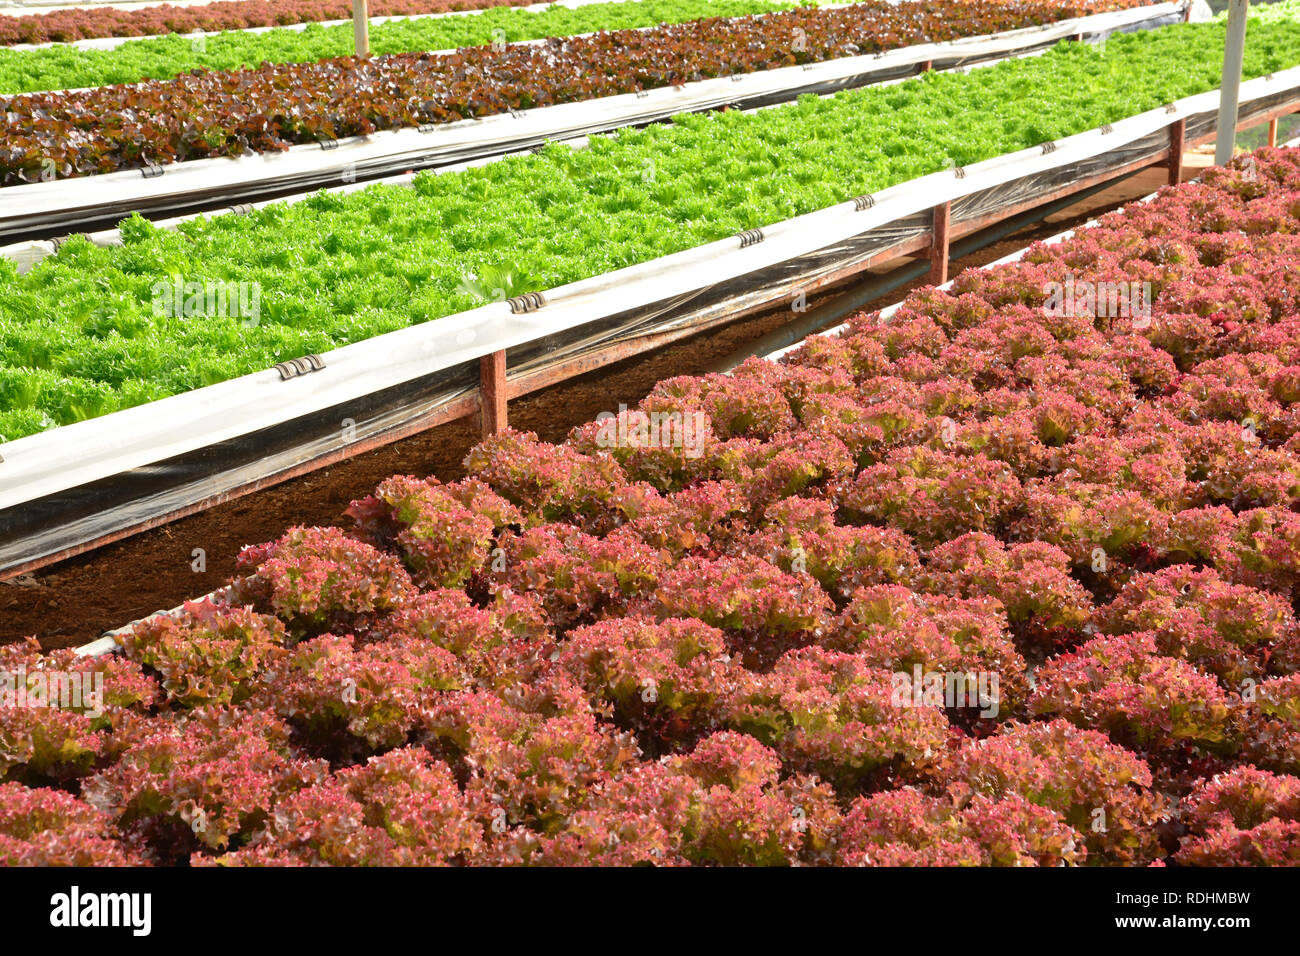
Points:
(721, 650)
(56, 135)
(156, 58)
(86, 23)
(92, 329)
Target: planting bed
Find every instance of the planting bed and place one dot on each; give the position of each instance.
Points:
(74, 602)
(62, 67)
(628, 651)
(231, 113)
(341, 268)
(62, 26)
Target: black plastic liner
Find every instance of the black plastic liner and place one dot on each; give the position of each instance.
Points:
(134, 498)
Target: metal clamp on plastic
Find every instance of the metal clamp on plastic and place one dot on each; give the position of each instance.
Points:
(642, 94)
(517, 114)
(959, 172)
(1267, 77)
(426, 127)
(528, 302)
(242, 209)
(152, 171)
(536, 148)
(299, 366)
(808, 66)
(1107, 128)
(1050, 147)
(1171, 108)
(329, 144)
(750, 237)
(865, 201)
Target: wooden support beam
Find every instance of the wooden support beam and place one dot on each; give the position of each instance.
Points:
(361, 28)
(1177, 143)
(1272, 132)
(492, 393)
(939, 244)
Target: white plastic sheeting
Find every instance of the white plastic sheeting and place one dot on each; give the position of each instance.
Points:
(66, 204)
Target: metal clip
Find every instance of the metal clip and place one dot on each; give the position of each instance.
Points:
(642, 94)
(1107, 128)
(737, 77)
(299, 366)
(750, 237)
(242, 209)
(807, 66)
(959, 172)
(865, 201)
(1268, 76)
(528, 302)
(426, 127)
(517, 114)
(1171, 108)
(151, 171)
(1049, 147)
(329, 144)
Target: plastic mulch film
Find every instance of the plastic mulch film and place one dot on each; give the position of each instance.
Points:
(48, 209)
(91, 480)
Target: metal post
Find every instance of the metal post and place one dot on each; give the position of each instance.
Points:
(1177, 139)
(492, 393)
(1272, 132)
(361, 27)
(939, 244)
(1233, 51)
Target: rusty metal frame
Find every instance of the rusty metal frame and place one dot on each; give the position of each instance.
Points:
(940, 229)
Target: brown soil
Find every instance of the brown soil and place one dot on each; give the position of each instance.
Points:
(73, 602)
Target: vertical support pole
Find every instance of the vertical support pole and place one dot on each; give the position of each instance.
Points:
(1272, 131)
(1233, 51)
(1075, 37)
(361, 27)
(1177, 139)
(939, 244)
(492, 393)
(1187, 12)
(927, 66)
